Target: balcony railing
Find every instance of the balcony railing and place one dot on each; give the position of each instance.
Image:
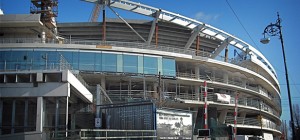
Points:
(252, 122)
(125, 95)
(229, 82)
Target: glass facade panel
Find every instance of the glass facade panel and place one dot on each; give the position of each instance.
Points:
(39, 60)
(169, 67)
(150, 65)
(75, 63)
(109, 62)
(87, 61)
(119, 63)
(18, 60)
(71, 57)
(18, 115)
(52, 59)
(98, 62)
(140, 64)
(130, 63)
(7, 116)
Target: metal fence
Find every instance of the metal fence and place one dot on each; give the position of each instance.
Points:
(102, 134)
(252, 122)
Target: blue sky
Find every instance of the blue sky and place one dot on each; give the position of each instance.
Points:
(255, 15)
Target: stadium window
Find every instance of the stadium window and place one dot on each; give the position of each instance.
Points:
(109, 62)
(130, 63)
(150, 65)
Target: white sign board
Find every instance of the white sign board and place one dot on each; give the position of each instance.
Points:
(173, 124)
(223, 98)
(97, 122)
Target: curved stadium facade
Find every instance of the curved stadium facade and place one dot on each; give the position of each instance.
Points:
(59, 79)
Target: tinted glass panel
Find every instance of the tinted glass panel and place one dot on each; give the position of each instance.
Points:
(86, 61)
(130, 63)
(169, 67)
(98, 61)
(109, 62)
(150, 65)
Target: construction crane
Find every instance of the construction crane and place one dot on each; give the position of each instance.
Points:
(99, 4)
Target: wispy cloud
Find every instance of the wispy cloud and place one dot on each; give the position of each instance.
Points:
(201, 16)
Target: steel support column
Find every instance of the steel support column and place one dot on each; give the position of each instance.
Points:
(153, 26)
(26, 113)
(39, 114)
(13, 116)
(195, 33)
(56, 116)
(127, 24)
(1, 113)
(224, 44)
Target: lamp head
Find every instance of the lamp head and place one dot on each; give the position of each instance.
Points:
(265, 40)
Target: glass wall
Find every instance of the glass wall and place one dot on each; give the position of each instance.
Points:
(109, 62)
(150, 65)
(55, 113)
(169, 67)
(87, 61)
(90, 61)
(130, 63)
(18, 115)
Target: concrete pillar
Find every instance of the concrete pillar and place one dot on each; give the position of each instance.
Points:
(186, 94)
(98, 101)
(103, 85)
(67, 115)
(244, 82)
(213, 74)
(56, 116)
(73, 121)
(197, 92)
(222, 116)
(197, 72)
(225, 77)
(26, 113)
(13, 116)
(1, 110)
(150, 90)
(43, 37)
(243, 115)
(155, 94)
(39, 114)
(144, 87)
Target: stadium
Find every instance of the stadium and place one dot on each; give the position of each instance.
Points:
(171, 77)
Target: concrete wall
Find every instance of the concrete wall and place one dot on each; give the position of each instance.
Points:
(28, 90)
(25, 136)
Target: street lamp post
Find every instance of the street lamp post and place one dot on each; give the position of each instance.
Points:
(275, 30)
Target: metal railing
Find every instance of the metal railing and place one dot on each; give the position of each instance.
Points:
(123, 95)
(101, 134)
(252, 122)
(229, 82)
